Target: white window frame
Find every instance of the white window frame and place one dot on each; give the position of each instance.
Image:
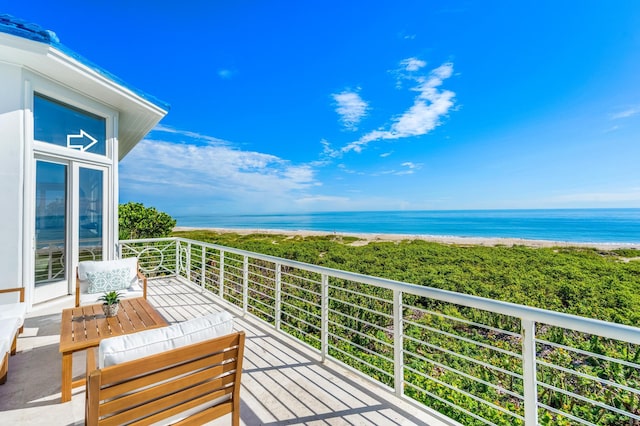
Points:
(33, 150)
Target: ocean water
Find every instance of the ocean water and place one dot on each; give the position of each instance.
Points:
(615, 226)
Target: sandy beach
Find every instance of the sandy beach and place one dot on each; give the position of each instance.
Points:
(364, 238)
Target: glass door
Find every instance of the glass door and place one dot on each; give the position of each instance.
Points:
(72, 203)
(69, 223)
(51, 232)
(90, 213)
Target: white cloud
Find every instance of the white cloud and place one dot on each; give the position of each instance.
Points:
(217, 166)
(351, 108)
(386, 154)
(212, 173)
(413, 64)
(411, 165)
(180, 134)
(343, 167)
(423, 116)
(322, 199)
(408, 168)
(327, 150)
(632, 194)
(629, 112)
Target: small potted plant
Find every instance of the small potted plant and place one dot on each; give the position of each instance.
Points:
(110, 303)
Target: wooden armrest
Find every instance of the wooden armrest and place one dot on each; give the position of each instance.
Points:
(91, 360)
(143, 278)
(92, 386)
(11, 290)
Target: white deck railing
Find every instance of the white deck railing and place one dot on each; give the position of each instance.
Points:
(475, 360)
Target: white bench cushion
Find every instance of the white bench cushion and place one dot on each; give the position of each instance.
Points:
(119, 349)
(13, 310)
(8, 329)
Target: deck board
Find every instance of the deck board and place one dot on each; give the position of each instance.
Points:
(282, 382)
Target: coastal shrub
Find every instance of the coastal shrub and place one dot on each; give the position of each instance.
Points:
(485, 380)
(137, 221)
(581, 281)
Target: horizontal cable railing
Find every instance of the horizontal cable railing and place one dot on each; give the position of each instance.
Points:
(476, 360)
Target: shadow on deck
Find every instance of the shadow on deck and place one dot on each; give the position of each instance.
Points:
(283, 383)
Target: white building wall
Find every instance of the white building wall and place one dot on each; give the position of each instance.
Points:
(11, 175)
(27, 66)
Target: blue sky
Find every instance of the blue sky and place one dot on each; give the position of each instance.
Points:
(296, 106)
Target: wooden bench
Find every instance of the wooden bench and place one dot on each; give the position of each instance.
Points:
(188, 385)
(12, 314)
(8, 336)
(86, 326)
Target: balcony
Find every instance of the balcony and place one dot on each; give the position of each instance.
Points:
(331, 347)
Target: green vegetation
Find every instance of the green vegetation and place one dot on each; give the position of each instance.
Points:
(582, 281)
(137, 221)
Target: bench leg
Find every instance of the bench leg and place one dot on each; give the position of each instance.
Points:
(14, 344)
(4, 368)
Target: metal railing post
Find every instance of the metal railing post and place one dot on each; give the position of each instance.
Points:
(398, 345)
(203, 266)
(529, 317)
(177, 258)
(245, 284)
(529, 372)
(188, 262)
(221, 277)
(278, 312)
(324, 317)
(50, 260)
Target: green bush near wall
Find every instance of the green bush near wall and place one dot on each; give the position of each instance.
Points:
(137, 221)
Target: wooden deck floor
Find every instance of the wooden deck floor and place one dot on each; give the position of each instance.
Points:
(283, 383)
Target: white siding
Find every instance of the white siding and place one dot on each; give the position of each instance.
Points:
(11, 176)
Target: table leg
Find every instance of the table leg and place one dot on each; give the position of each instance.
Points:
(67, 373)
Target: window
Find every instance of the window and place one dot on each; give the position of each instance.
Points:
(90, 208)
(64, 125)
(51, 222)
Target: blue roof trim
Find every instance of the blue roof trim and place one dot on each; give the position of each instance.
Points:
(31, 31)
(20, 28)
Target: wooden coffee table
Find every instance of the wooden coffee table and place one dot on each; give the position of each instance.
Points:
(85, 326)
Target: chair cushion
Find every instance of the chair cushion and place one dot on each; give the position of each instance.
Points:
(13, 310)
(119, 349)
(90, 266)
(108, 280)
(106, 265)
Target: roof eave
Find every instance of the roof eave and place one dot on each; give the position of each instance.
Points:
(137, 114)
